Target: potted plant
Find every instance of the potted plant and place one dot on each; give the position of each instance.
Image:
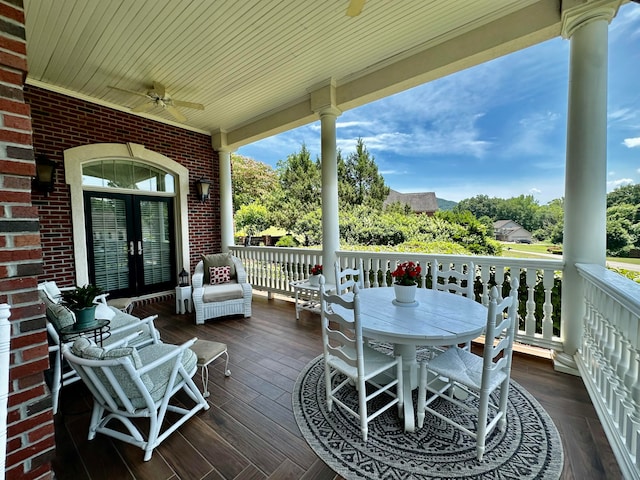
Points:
(314, 278)
(406, 282)
(80, 300)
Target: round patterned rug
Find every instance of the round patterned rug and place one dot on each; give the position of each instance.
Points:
(530, 448)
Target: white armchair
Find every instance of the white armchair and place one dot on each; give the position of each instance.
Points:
(212, 300)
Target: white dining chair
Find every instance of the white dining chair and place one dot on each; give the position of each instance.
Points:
(476, 375)
(455, 281)
(459, 282)
(350, 362)
(346, 278)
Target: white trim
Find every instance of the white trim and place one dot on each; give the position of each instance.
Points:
(74, 158)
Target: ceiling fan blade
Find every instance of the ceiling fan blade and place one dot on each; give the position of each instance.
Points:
(180, 103)
(133, 92)
(355, 8)
(177, 114)
(145, 107)
(159, 89)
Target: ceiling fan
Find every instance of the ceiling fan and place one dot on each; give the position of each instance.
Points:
(157, 96)
(355, 8)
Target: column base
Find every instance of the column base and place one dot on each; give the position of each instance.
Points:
(564, 363)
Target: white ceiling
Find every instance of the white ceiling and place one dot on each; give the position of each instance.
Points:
(253, 63)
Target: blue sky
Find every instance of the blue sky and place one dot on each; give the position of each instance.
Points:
(497, 129)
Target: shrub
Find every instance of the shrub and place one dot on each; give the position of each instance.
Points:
(287, 241)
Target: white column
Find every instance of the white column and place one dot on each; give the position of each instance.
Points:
(586, 168)
(226, 201)
(330, 215)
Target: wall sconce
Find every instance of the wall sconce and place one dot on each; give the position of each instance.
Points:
(184, 278)
(202, 186)
(45, 174)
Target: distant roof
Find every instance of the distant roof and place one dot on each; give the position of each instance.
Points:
(420, 202)
(502, 223)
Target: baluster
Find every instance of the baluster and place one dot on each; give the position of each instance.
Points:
(485, 275)
(632, 410)
(548, 280)
(499, 279)
(590, 327)
(530, 317)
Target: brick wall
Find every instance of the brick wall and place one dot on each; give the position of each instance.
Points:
(34, 226)
(61, 122)
(30, 438)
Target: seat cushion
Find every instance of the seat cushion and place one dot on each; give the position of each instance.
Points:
(222, 292)
(218, 260)
(59, 316)
(160, 375)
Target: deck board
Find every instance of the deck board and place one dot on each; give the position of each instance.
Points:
(249, 432)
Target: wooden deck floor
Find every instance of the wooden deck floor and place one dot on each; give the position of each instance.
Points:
(249, 433)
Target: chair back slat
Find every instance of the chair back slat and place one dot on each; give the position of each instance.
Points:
(455, 281)
(347, 278)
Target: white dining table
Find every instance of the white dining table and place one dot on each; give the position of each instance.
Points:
(437, 319)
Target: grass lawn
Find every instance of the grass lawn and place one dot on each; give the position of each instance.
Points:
(524, 250)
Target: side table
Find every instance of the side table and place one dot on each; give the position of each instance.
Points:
(207, 351)
(183, 299)
(307, 296)
(99, 330)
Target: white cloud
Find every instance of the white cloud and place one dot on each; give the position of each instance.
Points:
(611, 174)
(612, 185)
(535, 191)
(632, 142)
(621, 115)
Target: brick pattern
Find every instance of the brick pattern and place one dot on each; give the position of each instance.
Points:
(61, 122)
(30, 431)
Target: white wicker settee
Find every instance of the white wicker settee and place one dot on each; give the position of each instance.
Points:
(217, 300)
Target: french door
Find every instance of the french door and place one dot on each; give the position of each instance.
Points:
(130, 242)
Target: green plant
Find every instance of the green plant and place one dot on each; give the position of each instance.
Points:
(81, 297)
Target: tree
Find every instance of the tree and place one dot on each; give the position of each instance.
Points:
(629, 194)
(251, 181)
(364, 185)
(480, 206)
(300, 188)
(252, 218)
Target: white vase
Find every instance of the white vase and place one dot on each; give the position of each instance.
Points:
(405, 293)
(314, 280)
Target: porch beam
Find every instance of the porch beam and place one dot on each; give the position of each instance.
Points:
(586, 163)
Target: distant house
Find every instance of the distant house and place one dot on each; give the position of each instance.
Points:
(422, 202)
(510, 231)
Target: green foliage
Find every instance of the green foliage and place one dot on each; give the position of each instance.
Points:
(300, 188)
(253, 218)
(630, 274)
(617, 236)
(287, 241)
(81, 297)
(251, 181)
(628, 194)
(309, 226)
(361, 182)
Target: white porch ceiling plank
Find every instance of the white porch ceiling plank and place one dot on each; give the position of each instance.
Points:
(252, 63)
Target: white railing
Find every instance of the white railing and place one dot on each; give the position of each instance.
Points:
(609, 360)
(273, 268)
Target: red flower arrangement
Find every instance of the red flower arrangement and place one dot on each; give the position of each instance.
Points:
(406, 273)
(316, 270)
